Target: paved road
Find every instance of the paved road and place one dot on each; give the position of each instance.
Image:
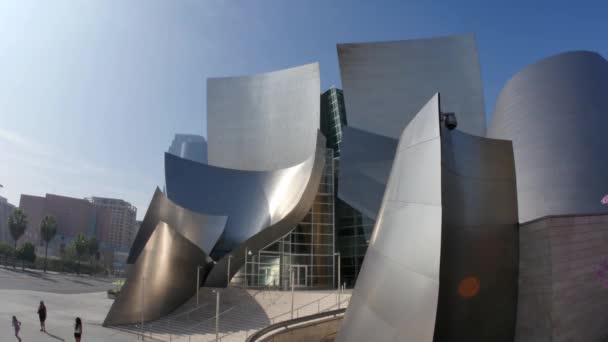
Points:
(35, 280)
(62, 309)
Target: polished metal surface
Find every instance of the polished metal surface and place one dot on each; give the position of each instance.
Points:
(442, 261)
(201, 229)
(163, 278)
(396, 294)
(478, 281)
(386, 83)
(263, 122)
(555, 113)
(365, 164)
(252, 200)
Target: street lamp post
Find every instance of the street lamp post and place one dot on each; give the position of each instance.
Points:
(143, 298)
(228, 272)
(292, 277)
(198, 281)
(217, 314)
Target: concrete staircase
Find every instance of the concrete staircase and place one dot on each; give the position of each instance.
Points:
(242, 312)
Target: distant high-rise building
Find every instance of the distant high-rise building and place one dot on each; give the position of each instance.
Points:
(5, 211)
(123, 226)
(189, 146)
(73, 215)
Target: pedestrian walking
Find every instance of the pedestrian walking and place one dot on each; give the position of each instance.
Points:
(17, 326)
(78, 329)
(42, 315)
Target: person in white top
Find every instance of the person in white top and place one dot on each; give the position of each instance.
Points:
(78, 329)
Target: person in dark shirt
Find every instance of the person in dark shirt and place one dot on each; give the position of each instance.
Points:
(42, 315)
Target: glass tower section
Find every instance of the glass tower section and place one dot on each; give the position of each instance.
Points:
(333, 118)
(353, 230)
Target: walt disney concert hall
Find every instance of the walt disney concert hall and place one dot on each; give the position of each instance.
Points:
(445, 227)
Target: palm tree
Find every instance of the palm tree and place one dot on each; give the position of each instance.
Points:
(81, 245)
(17, 222)
(48, 229)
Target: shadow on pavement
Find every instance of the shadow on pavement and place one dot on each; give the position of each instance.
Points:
(53, 336)
(39, 275)
(81, 282)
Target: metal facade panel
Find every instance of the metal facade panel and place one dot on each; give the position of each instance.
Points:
(442, 262)
(252, 200)
(263, 122)
(479, 245)
(386, 83)
(554, 111)
(395, 298)
(365, 164)
(201, 229)
(162, 279)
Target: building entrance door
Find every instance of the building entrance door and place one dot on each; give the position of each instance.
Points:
(300, 275)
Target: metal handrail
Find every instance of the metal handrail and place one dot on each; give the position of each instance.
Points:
(292, 323)
(334, 293)
(200, 324)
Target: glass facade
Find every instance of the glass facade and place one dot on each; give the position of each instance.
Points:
(331, 226)
(333, 118)
(308, 249)
(353, 230)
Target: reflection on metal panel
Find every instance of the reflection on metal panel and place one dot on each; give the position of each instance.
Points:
(162, 279)
(365, 165)
(263, 122)
(253, 200)
(479, 245)
(450, 201)
(554, 111)
(202, 230)
(395, 298)
(386, 83)
(308, 178)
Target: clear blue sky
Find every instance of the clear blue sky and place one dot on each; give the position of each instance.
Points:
(91, 92)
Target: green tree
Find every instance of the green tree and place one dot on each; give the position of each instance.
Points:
(93, 248)
(27, 252)
(6, 251)
(81, 246)
(17, 223)
(48, 229)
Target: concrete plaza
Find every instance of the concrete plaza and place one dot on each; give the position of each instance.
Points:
(66, 297)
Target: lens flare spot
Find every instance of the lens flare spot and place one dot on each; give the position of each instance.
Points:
(468, 287)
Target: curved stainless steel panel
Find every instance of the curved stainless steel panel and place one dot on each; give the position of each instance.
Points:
(395, 298)
(263, 122)
(479, 243)
(442, 262)
(217, 276)
(386, 83)
(554, 111)
(253, 200)
(163, 278)
(202, 230)
(365, 164)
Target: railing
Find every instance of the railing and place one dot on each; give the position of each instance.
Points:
(199, 327)
(293, 323)
(296, 311)
(174, 329)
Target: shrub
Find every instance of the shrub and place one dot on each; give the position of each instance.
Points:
(6, 249)
(27, 252)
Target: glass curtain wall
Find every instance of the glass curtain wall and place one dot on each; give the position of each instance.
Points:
(308, 250)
